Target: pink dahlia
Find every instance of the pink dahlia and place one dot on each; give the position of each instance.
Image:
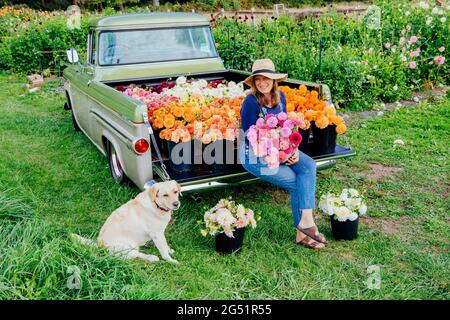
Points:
(284, 144)
(289, 124)
(282, 116)
(272, 122)
(285, 132)
(252, 135)
(295, 138)
(260, 122)
(289, 150)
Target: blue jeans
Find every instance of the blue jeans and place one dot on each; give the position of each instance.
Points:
(299, 179)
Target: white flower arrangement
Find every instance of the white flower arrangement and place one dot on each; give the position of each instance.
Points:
(227, 216)
(184, 89)
(347, 206)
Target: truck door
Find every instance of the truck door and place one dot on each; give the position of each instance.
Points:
(82, 99)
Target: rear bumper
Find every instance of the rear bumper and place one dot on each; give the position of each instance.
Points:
(202, 178)
(237, 179)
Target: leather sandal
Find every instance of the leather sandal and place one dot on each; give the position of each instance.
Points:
(314, 233)
(309, 243)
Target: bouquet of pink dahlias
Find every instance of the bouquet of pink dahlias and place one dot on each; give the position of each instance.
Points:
(276, 137)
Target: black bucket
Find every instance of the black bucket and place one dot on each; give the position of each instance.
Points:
(307, 144)
(318, 142)
(324, 140)
(219, 154)
(227, 245)
(181, 155)
(344, 230)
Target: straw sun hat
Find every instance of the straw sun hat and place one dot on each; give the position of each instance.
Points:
(266, 68)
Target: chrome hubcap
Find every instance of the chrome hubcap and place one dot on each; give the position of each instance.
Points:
(115, 163)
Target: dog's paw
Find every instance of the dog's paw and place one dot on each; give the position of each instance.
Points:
(171, 251)
(152, 258)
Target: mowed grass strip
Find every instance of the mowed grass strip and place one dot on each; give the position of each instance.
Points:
(54, 182)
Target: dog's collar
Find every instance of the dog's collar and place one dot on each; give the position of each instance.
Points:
(161, 208)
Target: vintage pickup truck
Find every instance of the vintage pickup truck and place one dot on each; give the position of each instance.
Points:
(149, 49)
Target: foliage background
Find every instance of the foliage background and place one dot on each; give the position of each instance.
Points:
(361, 65)
(205, 5)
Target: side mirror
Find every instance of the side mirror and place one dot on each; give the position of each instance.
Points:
(72, 55)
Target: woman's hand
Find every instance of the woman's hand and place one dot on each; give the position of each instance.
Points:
(294, 158)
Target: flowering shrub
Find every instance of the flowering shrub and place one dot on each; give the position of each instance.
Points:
(346, 206)
(275, 138)
(227, 216)
(313, 109)
(360, 62)
(34, 41)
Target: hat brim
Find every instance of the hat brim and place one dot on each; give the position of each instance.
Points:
(274, 76)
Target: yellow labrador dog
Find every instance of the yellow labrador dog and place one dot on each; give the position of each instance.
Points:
(140, 220)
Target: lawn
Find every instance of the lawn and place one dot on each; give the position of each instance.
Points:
(53, 182)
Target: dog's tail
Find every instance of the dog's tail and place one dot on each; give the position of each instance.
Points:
(82, 240)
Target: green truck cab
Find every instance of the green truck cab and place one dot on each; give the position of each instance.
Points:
(149, 49)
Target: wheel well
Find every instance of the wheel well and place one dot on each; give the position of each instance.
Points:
(105, 143)
(68, 99)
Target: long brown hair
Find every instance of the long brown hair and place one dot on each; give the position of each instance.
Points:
(274, 94)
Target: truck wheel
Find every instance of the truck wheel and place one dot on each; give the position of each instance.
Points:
(74, 123)
(115, 166)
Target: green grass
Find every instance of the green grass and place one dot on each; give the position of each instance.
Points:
(54, 182)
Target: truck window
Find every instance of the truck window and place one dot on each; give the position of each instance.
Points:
(155, 45)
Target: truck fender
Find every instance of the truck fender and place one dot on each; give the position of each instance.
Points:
(107, 137)
(68, 94)
(69, 98)
(68, 104)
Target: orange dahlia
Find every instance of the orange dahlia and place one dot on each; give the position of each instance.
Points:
(341, 128)
(322, 122)
(169, 121)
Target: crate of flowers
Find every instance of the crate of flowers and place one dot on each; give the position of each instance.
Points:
(322, 123)
(194, 117)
